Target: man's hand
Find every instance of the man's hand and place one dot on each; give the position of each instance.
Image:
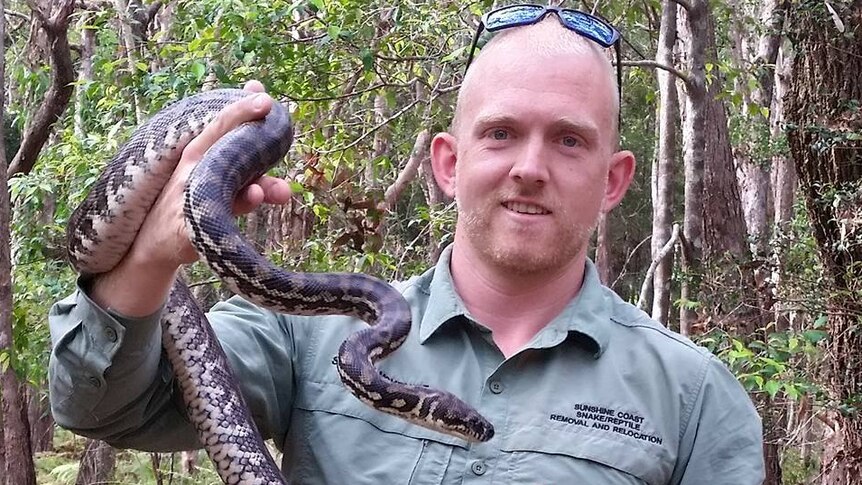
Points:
(139, 285)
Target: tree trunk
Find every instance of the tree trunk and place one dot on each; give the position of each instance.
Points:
(41, 422)
(126, 24)
(85, 72)
(603, 250)
(783, 169)
(2, 447)
(693, 28)
(784, 190)
(19, 468)
(752, 161)
(663, 168)
(54, 20)
(97, 464)
(825, 139)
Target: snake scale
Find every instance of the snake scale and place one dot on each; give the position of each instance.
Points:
(103, 227)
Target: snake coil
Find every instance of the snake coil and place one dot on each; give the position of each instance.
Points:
(106, 223)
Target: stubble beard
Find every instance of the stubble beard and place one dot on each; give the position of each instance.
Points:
(516, 255)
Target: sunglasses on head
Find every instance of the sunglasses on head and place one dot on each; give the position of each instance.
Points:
(587, 25)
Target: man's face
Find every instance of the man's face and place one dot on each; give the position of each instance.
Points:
(534, 145)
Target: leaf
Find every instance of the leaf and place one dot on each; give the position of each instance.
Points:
(815, 336)
(198, 70)
(318, 5)
(772, 387)
(792, 391)
(367, 57)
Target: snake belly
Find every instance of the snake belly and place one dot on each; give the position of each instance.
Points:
(104, 226)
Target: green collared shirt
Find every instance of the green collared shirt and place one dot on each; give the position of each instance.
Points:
(602, 395)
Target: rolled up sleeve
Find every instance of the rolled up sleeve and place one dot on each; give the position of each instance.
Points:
(110, 380)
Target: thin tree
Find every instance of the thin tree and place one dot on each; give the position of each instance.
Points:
(19, 467)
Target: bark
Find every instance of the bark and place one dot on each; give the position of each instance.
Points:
(784, 190)
(664, 166)
(54, 20)
(752, 160)
(419, 152)
(189, 462)
(41, 422)
(97, 464)
(162, 23)
(380, 146)
(660, 256)
(85, 72)
(435, 198)
(724, 226)
(19, 468)
(783, 169)
(127, 35)
(2, 446)
(825, 140)
(603, 250)
(693, 27)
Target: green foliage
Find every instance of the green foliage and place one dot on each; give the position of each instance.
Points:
(61, 467)
(773, 365)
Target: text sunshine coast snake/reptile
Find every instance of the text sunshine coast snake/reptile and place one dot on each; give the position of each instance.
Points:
(104, 226)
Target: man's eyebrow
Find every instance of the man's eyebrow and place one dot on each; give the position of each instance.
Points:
(563, 125)
(483, 121)
(584, 128)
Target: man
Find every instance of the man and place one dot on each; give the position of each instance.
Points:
(581, 386)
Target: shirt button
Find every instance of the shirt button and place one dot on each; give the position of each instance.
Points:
(110, 334)
(496, 387)
(479, 467)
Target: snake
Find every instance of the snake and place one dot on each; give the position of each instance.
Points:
(103, 227)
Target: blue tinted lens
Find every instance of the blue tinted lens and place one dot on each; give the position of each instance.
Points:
(513, 16)
(590, 26)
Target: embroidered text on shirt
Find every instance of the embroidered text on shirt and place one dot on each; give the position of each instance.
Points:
(607, 419)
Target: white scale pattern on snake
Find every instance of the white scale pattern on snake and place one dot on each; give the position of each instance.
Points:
(103, 228)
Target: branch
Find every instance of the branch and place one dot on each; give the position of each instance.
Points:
(355, 93)
(683, 3)
(411, 168)
(58, 94)
(372, 130)
(16, 14)
(657, 65)
(665, 250)
(152, 10)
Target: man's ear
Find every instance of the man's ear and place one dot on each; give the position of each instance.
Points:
(444, 155)
(621, 170)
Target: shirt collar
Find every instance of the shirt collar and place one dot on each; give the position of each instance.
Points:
(587, 315)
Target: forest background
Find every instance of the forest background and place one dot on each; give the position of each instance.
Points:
(741, 230)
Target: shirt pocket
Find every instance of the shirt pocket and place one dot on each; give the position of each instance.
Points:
(335, 439)
(549, 456)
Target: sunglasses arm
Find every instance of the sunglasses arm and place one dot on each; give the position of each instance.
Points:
(473, 44)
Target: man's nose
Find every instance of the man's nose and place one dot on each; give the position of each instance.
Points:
(530, 167)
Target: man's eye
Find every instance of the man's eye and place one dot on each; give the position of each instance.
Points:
(570, 141)
(500, 134)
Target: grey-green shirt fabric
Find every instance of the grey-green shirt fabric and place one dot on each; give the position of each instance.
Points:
(602, 395)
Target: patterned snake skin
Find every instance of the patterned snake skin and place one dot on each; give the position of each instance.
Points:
(101, 230)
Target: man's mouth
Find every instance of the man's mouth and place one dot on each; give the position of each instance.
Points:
(524, 208)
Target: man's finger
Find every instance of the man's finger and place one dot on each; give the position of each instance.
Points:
(254, 86)
(275, 190)
(247, 109)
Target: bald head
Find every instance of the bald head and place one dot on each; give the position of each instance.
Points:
(545, 39)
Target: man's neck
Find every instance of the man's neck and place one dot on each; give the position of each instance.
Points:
(515, 307)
